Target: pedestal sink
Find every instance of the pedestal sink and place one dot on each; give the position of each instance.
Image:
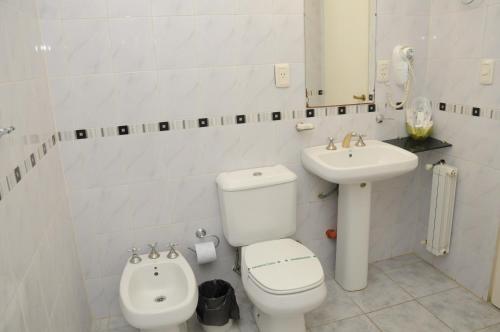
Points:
(354, 169)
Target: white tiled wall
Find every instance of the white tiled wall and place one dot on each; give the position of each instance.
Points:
(41, 287)
(119, 62)
(115, 62)
(459, 37)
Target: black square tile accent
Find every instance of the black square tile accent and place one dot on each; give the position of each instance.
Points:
(81, 134)
(123, 130)
(17, 173)
(476, 111)
(32, 160)
(240, 119)
(320, 92)
(399, 106)
(342, 110)
(310, 113)
(276, 116)
(163, 126)
(372, 108)
(44, 148)
(203, 122)
(370, 97)
(442, 106)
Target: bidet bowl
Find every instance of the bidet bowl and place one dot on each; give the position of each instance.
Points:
(158, 293)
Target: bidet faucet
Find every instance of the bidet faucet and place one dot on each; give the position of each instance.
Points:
(153, 254)
(172, 253)
(135, 258)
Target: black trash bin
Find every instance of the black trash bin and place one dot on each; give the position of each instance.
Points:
(216, 303)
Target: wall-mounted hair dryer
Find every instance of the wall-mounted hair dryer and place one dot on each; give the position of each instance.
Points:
(402, 64)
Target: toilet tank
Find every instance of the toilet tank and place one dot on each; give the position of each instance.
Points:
(258, 204)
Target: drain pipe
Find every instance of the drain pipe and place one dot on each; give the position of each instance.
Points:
(237, 261)
(330, 193)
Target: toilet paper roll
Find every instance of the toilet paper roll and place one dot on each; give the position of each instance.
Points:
(205, 252)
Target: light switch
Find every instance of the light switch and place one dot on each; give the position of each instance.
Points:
(383, 70)
(487, 71)
(282, 75)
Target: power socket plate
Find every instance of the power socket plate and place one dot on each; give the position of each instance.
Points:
(282, 75)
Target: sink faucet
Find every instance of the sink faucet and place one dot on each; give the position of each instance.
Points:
(346, 143)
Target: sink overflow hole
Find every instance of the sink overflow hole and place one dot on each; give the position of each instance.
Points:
(160, 299)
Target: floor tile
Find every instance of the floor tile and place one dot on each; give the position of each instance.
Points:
(495, 328)
(124, 329)
(461, 310)
(100, 325)
(421, 279)
(338, 305)
(381, 292)
(407, 317)
(356, 324)
(397, 262)
(119, 323)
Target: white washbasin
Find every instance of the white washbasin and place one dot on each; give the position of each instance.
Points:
(354, 169)
(374, 162)
(159, 294)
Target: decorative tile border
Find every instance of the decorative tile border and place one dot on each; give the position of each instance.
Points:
(15, 176)
(227, 120)
(466, 110)
(45, 144)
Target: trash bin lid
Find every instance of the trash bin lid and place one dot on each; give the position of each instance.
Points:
(283, 266)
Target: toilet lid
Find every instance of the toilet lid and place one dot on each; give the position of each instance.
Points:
(283, 266)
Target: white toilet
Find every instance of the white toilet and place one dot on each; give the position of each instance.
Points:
(283, 279)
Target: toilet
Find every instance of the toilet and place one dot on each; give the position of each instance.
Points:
(282, 277)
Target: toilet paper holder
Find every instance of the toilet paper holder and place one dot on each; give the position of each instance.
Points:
(201, 234)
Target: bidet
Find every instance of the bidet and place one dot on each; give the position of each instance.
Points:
(158, 295)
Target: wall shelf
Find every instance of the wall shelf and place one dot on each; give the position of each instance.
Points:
(414, 146)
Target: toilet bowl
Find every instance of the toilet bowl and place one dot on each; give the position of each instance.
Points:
(158, 295)
(284, 280)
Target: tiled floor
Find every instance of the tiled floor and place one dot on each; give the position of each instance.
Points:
(404, 294)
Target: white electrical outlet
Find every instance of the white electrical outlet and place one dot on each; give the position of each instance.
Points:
(383, 67)
(487, 71)
(282, 75)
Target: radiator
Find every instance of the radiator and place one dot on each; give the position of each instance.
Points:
(444, 184)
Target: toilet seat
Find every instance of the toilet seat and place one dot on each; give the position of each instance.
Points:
(283, 267)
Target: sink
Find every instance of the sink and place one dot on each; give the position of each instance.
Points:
(354, 169)
(374, 162)
(158, 294)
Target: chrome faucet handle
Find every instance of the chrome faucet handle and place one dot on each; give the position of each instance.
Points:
(360, 142)
(331, 146)
(135, 258)
(172, 253)
(153, 254)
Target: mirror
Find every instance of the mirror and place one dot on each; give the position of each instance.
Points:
(340, 52)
